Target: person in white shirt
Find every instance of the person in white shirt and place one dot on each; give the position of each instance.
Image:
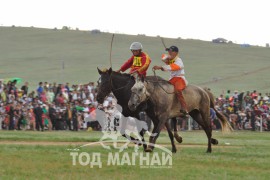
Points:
(175, 65)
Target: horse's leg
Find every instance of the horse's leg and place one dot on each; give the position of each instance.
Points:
(178, 138)
(150, 113)
(156, 131)
(138, 121)
(204, 123)
(142, 132)
(171, 137)
(152, 136)
(123, 131)
(209, 128)
(155, 121)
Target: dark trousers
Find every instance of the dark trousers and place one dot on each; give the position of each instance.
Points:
(75, 124)
(19, 123)
(53, 123)
(68, 122)
(11, 123)
(39, 124)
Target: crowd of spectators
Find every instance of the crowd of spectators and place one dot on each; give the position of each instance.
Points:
(53, 106)
(246, 110)
(50, 107)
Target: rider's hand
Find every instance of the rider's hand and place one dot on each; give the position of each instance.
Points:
(133, 72)
(118, 71)
(157, 67)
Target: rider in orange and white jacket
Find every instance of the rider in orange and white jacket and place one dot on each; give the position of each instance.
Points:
(175, 66)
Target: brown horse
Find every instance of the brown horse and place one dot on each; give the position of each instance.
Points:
(166, 105)
(120, 85)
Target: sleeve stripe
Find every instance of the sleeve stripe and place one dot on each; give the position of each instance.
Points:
(146, 64)
(175, 67)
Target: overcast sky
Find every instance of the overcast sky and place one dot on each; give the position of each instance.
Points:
(241, 21)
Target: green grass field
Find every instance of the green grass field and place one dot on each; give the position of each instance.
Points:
(73, 56)
(239, 155)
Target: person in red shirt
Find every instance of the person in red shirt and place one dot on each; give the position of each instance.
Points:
(138, 62)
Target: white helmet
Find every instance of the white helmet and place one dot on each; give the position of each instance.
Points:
(136, 46)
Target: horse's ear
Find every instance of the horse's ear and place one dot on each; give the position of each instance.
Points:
(99, 71)
(142, 78)
(135, 76)
(110, 70)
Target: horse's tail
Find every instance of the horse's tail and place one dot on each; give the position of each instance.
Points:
(225, 125)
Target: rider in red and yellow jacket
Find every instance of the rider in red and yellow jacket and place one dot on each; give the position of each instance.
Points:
(138, 62)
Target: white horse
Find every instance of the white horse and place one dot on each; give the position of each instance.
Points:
(114, 125)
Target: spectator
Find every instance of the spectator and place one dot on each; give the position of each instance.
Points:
(68, 116)
(67, 87)
(54, 88)
(58, 90)
(10, 110)
(50, 96)
(24, 88)
(38, 116)
(52, 115)
(254, 93)
(43, 97)
(75, 117)
(40, 89)
(46, 85)
(1, 87)
(228, 94)
(60, 99)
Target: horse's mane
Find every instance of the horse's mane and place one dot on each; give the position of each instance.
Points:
(147, 78)
(154, 78)
(122, 74)
(157, 80)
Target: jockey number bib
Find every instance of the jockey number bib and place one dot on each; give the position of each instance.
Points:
(137, 61)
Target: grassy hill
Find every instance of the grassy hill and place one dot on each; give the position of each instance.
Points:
(73, 56)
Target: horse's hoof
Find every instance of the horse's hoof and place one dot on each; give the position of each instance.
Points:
(209, 150)
(214, 141)
(174, 150)
(148, 150)
(178, 138)
(138, 142)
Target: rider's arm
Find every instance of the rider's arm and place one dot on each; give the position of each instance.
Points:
(146, 59)
(127, 64)
(177, 65)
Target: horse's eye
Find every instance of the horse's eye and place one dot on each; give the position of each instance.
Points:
(140, 90)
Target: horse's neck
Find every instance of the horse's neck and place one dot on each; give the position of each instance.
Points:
(151, 87)
(121, 86)
(119, 81)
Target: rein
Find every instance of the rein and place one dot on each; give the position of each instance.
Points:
(111, 84)
(160, 85)
(140, 98)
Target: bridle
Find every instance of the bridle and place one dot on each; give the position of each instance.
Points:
(111, 84)
(157, 81)
(140, 97)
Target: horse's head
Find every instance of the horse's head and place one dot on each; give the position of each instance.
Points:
(139, 94)
(104, 84)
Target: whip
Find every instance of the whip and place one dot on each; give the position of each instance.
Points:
(162, 40)
(111, 51)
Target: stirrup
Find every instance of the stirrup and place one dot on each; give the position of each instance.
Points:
(184, 113)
